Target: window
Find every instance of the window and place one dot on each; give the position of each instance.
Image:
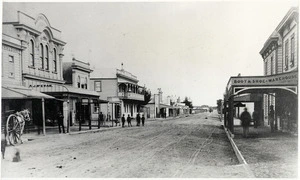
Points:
(54, 60)
(266, 67)
(98, 86)
(31, 48)
(96, 108)
(286, 52)
(292, 51)
(86, 82)
(42, 56)
(272, 70)
(47, 59)
(11, 59)
(78, 82)
(11, 67)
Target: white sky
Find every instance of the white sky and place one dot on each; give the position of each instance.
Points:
(185, 48)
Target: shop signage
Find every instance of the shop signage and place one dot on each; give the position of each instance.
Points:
(85, 101)
(280, 79)
(40, 85)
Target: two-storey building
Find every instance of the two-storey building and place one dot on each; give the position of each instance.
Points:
(122, 91)
(278, 87)
(32, 56)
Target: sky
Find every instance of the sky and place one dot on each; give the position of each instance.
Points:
(188, 49)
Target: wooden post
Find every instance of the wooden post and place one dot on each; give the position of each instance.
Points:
(43, 116)
(89, 112)
(231, 122)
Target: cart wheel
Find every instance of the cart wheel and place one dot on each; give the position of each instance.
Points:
(13, 129)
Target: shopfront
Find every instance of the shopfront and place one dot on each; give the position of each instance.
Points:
(283, 87)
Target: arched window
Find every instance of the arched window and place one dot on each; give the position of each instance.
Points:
(42, 56)
(78, 82)
(54, 60)
(86, 81)
(31, 49)
(47, 59)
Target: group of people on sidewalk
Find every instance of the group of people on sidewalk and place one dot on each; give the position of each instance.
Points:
(138, 120)
(246, 119)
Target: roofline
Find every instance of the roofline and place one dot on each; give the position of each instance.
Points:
(286, 17)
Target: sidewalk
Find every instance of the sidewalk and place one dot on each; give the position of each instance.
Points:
(268, 154)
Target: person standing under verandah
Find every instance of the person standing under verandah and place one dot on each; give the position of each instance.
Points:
(123, 120)
(271, 118)
(100, 120)
(60, 120)
(245, 118)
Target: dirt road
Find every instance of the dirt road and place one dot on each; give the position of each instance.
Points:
(194, 146)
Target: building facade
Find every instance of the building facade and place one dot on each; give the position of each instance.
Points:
(280, 55)
(277, 88)
(122, 91)
(32, 53)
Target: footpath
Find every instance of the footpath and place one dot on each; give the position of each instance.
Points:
(266, 154)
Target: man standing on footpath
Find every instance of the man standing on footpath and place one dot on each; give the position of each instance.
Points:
(143, 119)
(129, 121)
(100, 120)
(245, 118)
(123, 120)
(138, 119)
(60, 118)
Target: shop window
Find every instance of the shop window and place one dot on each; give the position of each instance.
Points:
(98, 86)
(31, 53)
(41, 56)
(47, 59)
(286, 52)
(293, 51)
(54, 60)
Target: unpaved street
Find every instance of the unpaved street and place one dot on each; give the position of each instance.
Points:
(186, 147)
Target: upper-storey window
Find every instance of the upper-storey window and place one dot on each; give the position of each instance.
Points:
(31, 49)
(286, 53)
(98, 86)
(293, 51)
(42, 56)
(86, 82)
(266, 67)
(272, 66)
(54, 60)
(47, 59)
(78, 81)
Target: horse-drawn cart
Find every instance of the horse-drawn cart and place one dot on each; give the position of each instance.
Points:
(13, 125)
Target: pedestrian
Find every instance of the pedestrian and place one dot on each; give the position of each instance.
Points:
(245, 118)
(60, 120)
(255, 117)
(100, 119)
(129, 121)
(138, 119)
(123, 120)
(143, 119)
(271, 118)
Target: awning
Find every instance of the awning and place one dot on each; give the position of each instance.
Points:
(20, 92)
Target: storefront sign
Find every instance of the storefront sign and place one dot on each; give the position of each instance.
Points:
(280, 79)
(40, 85)
(85, 101)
